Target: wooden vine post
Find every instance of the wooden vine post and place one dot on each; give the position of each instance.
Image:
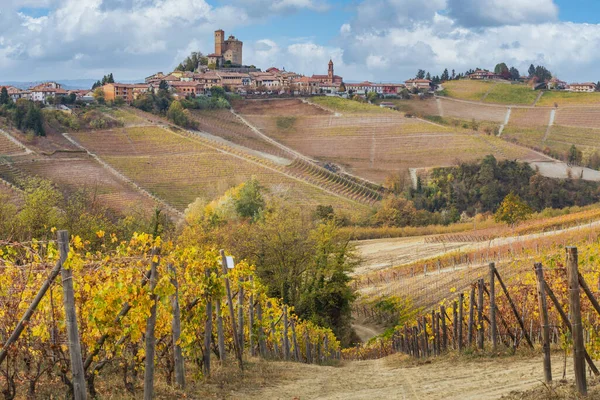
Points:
(207, 328)
(220, 333)
(295, 341)
(444, 329)
(236, 343)
(262, 346)
(251, 319)
(241, 314)
(286, 341)
(460, 320)
(455, 324)
(471, 316)
(79, 389)
(176, 328)
(480, 331)
(575, 313)
(543, 308)
(150, 330)
(493, 329)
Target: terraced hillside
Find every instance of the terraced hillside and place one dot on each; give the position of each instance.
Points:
(180, 167)
(375, 145)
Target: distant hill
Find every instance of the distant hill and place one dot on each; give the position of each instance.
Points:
(68, 84)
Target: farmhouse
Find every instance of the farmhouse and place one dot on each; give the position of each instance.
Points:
(582, 87)
(420, 84)
(483, 75)
(125, 91)
(45, 91)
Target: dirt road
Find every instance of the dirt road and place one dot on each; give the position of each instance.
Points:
(396, 377)
(385, 253)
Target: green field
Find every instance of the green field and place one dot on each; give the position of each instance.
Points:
(349, 106)
(466, 89)
(550, 98)
(504, 93)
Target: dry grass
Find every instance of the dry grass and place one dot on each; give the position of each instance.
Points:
(376, 146)
(466, 89)
(577, 136)
(550, 98)
(504, 93)
(180, 169)
(349, 106)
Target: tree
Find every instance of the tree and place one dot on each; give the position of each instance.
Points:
(453, 74)
(502, 70)
(192, 62)
(575, 155)
(163, 85)
(421, 74)
(176, 114)
(250, 202)
(395, 211)
(371, 96)
(99, 95)
(218, 91)
(512, 210)
(542, 74)
(4, 98)
(428, 76)
(531, 71)
(445, 76)
(514, 74)
(342, 87)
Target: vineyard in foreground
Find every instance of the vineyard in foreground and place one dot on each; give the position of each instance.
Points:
(147, 311)
(552, 305)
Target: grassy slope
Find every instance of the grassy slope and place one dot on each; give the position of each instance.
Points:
(568, 98)
(467, 89)
(179, 169)
(503, 93)
(349, 106)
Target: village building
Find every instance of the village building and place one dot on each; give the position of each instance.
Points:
(419, 84)
(187, 88)
(46, 91)
(557, 84)
(127, 92)
(330, 77)
(226, 50)
(582, 87)
(481, 74)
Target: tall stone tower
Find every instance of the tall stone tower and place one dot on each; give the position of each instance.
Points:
(219, 42)
(330, 72)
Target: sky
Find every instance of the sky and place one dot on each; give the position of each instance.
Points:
(376, 40)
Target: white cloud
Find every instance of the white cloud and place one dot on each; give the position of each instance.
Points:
(502, 12)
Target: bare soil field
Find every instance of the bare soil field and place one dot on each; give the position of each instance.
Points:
(283, 107)
(468, 111)
(86, 174)
(179, 169)
(397, 377)
(374, 146)
(379, 254)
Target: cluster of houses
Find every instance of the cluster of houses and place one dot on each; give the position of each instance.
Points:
(45, 92)
(271, 81)
(553, 83)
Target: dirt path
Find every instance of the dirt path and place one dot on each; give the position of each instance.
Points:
(395, 378)
(384, 253)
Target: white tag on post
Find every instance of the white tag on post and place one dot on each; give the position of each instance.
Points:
(229, 260)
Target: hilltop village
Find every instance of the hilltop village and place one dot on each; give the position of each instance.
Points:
(225, 68)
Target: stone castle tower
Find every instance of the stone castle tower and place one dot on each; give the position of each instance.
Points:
(230, 49)
(330, 74)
